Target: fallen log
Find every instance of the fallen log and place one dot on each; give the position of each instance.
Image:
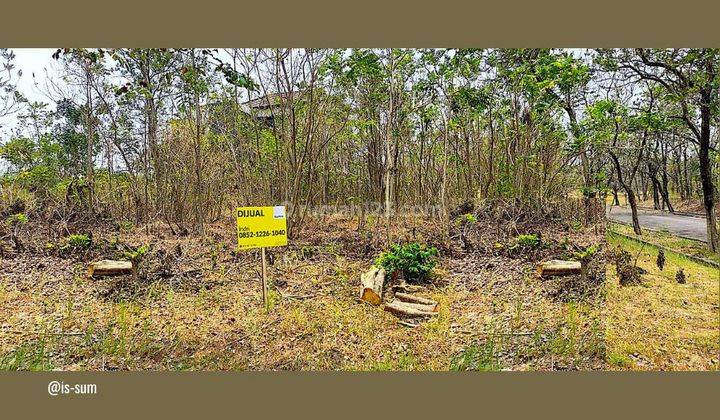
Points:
(559, 268)
(408, 288)
(109, 268)
(372, 285)
(401, 309)
(404, 297)
(408, 324)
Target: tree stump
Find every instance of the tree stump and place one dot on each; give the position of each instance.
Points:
(559, 268)
(372, 285)
(109, 268)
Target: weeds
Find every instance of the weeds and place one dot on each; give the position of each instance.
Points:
(660, 260)
(628, 273)
(680, 276)
(478, 357)
(29, 356)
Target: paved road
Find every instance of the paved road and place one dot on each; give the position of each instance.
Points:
(686, 226)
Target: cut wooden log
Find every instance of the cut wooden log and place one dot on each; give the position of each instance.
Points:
(407, 288)
(402, 309)
(372, 285)
(559, 268)
(404, 297)
(109, 268)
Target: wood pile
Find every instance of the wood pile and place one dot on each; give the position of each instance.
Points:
(404, 305)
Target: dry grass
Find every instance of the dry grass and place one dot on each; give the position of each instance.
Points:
(207, 313)
(661, 324)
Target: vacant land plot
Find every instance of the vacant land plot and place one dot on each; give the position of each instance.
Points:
(196, 304)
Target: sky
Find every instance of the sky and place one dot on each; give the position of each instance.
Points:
(29, 61)
(33, 60)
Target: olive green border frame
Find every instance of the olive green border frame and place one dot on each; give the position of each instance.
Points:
(291, 395)
(368, 23)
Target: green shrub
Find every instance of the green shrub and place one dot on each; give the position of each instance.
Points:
(137, 254)
(80, 241)
(17, 219)
(413, 261)
(586, 254)
(528, 241)
(468, 218)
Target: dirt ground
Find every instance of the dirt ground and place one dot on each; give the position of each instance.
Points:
(196, 302)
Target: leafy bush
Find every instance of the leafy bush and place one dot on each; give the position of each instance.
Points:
(586, 254)
(15, 199)
(413, 261)
(78, 241)
(17, 219)
(527, 241)
(137, 254)
(40, 178)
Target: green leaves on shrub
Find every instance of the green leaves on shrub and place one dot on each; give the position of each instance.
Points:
(587, 253)
(413, 261)
(136, 254)
(467, 218)
(527, 241)
(80, 241)
(16, 219)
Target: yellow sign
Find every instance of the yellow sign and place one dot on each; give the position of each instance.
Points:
(260, 227)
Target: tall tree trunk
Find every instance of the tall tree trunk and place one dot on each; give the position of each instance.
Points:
(633, 210)
(629, 192)
(616, 199)
(388, 152)
(443, 185)
(90, 133)
(655, 193)
(706, 170)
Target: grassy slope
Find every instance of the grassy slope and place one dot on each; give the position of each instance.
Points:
(661, 324)
(668, 240)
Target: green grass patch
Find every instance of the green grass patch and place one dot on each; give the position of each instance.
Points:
(661, 324)
(668, 240)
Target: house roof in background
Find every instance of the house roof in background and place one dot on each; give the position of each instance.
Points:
(269, 100)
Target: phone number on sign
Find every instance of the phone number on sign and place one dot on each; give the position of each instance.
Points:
(261, 233)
